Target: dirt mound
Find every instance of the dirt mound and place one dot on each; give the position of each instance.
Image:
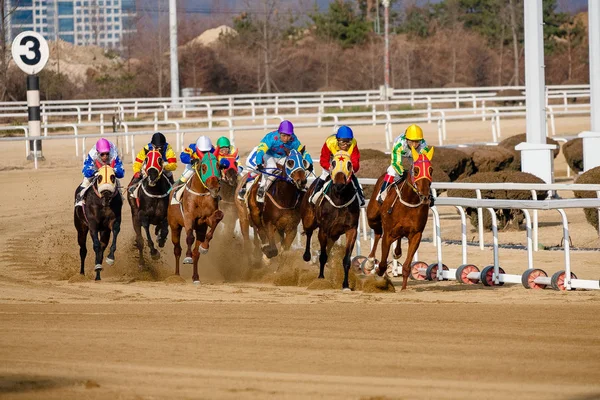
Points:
(506, 217)
(370, 154)
(489, 159)
(573, 151)
(591, 176)
(210, 36)
(455, 163)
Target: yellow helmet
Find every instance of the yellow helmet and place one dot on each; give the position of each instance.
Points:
(414, 132)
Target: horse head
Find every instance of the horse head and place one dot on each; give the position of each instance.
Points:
(153, 167)
(229, 169)
(106, 184)
(341, 169)
(295, 167)
(209, 173)
(422, 173)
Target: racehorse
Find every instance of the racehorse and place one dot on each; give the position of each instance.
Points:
(336, 213)
(198, 212)
(280, 211)
(150, 205)
(403, 213)
(229, 172)
(99, 215)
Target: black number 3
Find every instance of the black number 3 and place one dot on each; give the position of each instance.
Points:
(35, 48)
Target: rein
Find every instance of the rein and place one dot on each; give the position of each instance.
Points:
(156, 196)
(280, 206)
(399, 196)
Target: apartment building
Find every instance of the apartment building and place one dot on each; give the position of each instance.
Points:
(103, 23)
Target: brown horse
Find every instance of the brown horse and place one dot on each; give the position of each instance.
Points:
(150, 205)
(280, 212)
(100, 216)
(337, 213)
(403, 213)
(197, 211)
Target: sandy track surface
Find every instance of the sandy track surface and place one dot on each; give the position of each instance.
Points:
(135, 335)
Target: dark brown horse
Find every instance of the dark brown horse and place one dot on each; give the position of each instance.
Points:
(100, 215)
(150, 206)
(229, 181)
(403, 213)
(198, 212)
(336, 213)
(280, 212)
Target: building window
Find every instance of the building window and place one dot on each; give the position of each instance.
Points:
(20, 17)
(65, 8)
(68, 38)
(66, 25)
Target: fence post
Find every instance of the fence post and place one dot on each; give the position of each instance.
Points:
(480, 221)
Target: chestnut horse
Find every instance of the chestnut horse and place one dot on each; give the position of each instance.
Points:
(280, 212)
(336, 213)
(403, 213)
(99, 215)
(150, 206)
(198, 212)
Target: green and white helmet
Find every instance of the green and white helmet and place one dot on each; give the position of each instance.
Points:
(223, 142)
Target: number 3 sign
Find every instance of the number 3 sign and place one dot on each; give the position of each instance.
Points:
(30, 52)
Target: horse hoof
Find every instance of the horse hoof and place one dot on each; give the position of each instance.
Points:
(306, 257)
(98, 267)
(346, 290)
(266, 260)
(155, 256)
(202, 250)
(196, 282)
(161, 244)
(109, 261)
(188, 260)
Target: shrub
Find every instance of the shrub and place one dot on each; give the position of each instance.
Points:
(590, 177)
(506, 217)
(455, 163)
(573, 151)
(491, 159)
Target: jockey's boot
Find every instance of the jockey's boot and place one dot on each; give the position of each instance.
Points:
(133, 184)
(169, 176)
(384, 186)
(242, 193)
(260, 194)
(316, 195)
(431, 200)
(359, 191)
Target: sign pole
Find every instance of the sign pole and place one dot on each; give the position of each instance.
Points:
(30, 53)
(33, 112)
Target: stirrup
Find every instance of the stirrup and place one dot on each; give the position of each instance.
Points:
(242, 194)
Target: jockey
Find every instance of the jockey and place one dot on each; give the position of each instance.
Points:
(342, 140)
(226, 149)
(271, 151)
(159, 143)
(412, 137)
(193, 154)
(103, 153)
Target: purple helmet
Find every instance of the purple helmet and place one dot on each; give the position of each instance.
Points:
(286, 127)
(103, 146)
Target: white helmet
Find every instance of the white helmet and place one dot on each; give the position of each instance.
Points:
(203, 144)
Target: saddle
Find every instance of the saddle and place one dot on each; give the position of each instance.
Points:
(176, 199)
(393, 185)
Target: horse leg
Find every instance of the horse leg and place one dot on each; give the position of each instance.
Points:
(413, 245)
(163, 232)
(211, 222)
(385, 251)
(139, 242)
(200, 232)
(116, 228)
(82, 232)
(307, 256)
(153, 252)
(176, 239)
(323, 256)
(98, 250)
(270, 249)
(370, 263)
(350, 240)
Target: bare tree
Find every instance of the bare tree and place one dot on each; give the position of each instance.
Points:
(514, 28)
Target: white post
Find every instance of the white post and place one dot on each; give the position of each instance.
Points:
(536, 155)
(173, 43)
(591, 140)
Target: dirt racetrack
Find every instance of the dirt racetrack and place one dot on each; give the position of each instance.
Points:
(136, 335)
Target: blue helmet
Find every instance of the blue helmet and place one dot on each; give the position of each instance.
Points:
(344, 132)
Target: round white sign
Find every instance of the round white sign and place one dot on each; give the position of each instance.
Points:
(30, 52)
